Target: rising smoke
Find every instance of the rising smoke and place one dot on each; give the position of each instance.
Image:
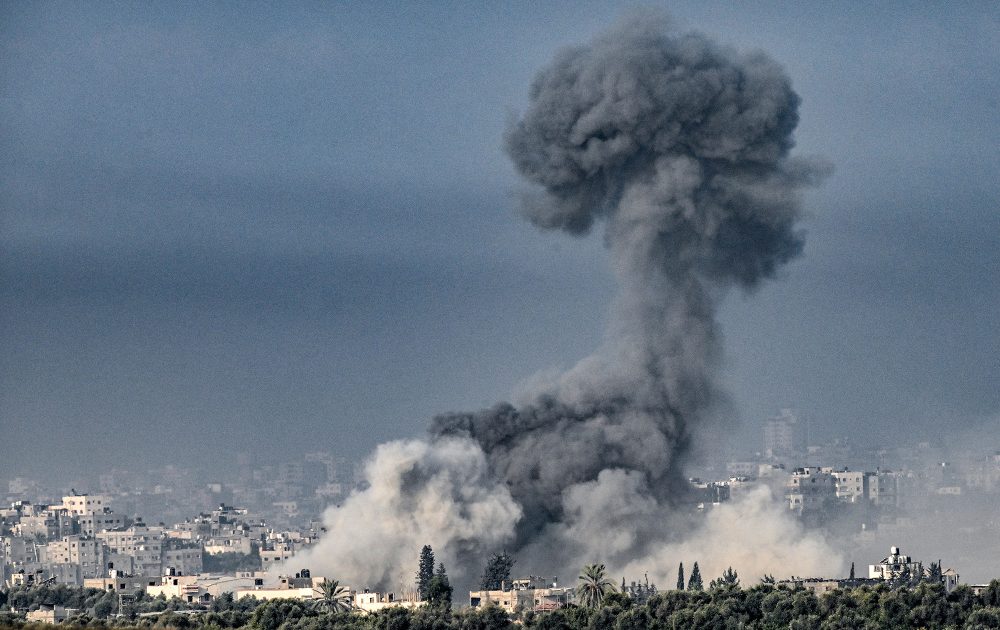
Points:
(681, 147)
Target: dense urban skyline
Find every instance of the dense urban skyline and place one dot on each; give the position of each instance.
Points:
(228, 229)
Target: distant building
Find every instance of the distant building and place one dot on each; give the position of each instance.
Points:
(810, 489)
(783, 436)
(531, 593)
(301, 586)
(93, 522)
(86, 553)
(850, 486)
(203, 588)
(81, 504)
(894, 565)
(51, 614)
(370, 601)
(883, 488)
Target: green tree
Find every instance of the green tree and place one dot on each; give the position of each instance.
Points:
(680, 577)
(902, 579)
(426, 571)
(694, 582)
(767, 578)
(334, 597)
(439, 590)
(934, 575)
(489, 617)
(594, 585)
(729, 579)
(497, 571)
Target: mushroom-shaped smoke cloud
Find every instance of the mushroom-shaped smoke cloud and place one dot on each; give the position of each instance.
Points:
(682, 147)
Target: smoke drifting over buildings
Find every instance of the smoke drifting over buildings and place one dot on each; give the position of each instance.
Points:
(681, 147)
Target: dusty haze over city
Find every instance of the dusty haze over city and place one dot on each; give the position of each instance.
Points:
(275, 229)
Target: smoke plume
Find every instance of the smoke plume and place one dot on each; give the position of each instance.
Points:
(681, 148)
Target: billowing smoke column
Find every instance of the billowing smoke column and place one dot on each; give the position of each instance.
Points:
(682, 148)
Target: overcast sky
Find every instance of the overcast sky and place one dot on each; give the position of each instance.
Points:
(279, 228)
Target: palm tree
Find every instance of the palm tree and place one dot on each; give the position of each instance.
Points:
(593, 586)
(335, 597)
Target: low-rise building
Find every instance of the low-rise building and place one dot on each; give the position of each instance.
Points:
(301, 586)
(51, 614)
(531, 593)
(371, 601)
(894, 565)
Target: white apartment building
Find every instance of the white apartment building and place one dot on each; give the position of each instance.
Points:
(850, 486)
(80, 504)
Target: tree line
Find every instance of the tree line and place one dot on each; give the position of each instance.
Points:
(764, 606)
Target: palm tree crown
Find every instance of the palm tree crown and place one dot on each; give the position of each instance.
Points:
(335, 597)
(593, 586)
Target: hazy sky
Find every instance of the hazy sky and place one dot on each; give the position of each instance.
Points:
(286, 227)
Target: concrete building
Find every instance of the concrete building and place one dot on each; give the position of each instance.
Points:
(228, 544)
(94, 522)
(531, 593)
(81, 504)
(203, 588)
(276, 554)
(118, 582)
(51, 614)
(810, 489)
(850, 486)
(894, 565)
(184, 559)
(86, 553)
(371, 602)
(301, 586)
(783, 436)
(883, 488)
(143, 544)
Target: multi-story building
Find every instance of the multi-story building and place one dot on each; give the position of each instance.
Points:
(883, 488)
(278, 553)
(86, 553)
(850, 486)
(810, 489)
(783, 436)
(81, 504)
(93, 522)
(144, 545)
(184, 559)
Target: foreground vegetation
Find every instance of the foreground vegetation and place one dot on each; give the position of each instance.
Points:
(722, 608)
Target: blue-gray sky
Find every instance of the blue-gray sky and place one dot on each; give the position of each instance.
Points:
(286, 227)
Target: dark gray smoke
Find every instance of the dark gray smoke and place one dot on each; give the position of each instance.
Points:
(681, 147)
